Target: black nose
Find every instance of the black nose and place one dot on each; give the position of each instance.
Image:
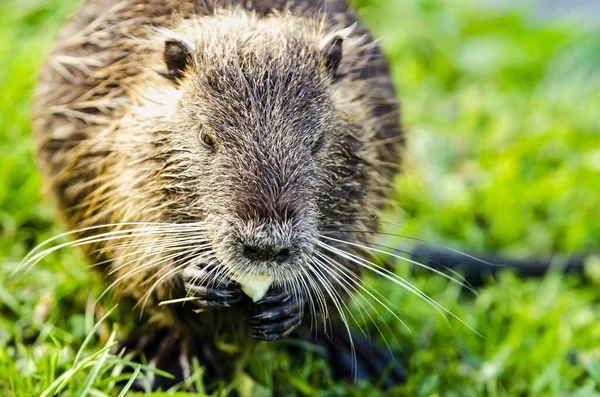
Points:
(267, 253)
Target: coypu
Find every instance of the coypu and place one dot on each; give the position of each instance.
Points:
(192, 144)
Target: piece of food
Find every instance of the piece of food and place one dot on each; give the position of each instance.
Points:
(255, 286)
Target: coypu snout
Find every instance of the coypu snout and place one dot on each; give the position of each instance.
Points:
(267, 253)
(278, 247)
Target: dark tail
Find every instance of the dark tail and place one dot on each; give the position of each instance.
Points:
(478, 268)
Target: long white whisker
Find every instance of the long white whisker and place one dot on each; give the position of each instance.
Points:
(328, 289)
(322, 268)
(351, 277)
(354, 277)
(358, 283)
(446, 276)
(154, 242)
(424, 242)
(149, 292)
(187, 261)
(123, 234)
(309, 297)
(181, 300)
(212, 271)
(321, 298)
(160, 246)
(372, 292)
(151, 254)
(395, 278)
(103, 226)
(141, 268)
(35, 255)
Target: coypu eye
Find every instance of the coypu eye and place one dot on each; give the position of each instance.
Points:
(208, 141)
(317, 144)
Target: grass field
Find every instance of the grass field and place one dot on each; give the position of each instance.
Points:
(504, 156)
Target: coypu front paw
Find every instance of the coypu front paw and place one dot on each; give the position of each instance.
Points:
(276, 316)
(221, 293)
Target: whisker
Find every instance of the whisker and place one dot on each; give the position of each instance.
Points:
(157, 247)
(446, 276)
(181, 300)
(359, 283)
(32, 260)
(328, 289)
(187, 257)
(322, 302)
(137, 259)
(312, 308)
(137, 270)
(395, 278)
(325, 269)
(352, 284)
(381, 271)
(458, 276)
(96, 227)
(425, 242)
(154, 242)
(206, 275)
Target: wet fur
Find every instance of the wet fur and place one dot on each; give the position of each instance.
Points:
(118, 138)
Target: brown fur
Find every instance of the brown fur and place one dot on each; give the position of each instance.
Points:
(118, 142)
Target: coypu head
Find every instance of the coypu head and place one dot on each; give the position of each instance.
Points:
(259, 145)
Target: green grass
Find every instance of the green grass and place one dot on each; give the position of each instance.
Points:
(504, 156)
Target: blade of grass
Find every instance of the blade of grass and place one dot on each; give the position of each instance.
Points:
(133, 364)
(91, 334)
(94, 373)
(60, 382)
(130, 382)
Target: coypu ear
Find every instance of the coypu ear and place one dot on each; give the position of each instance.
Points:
(332, 53)
(177, 56)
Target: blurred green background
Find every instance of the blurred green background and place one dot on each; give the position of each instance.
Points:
(502, 111)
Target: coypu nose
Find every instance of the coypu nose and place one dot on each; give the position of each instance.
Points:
(267, 253)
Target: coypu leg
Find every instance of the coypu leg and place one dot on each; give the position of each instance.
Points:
(276, 316)
(167, 350)
(372, 362)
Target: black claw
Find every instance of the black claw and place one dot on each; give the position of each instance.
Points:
(266, 336)
(275, 317)
(213, 293)
(216, 304)
(280, 326)
(275, 298)
(275, 313)
(271, 337)
(225, 293)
